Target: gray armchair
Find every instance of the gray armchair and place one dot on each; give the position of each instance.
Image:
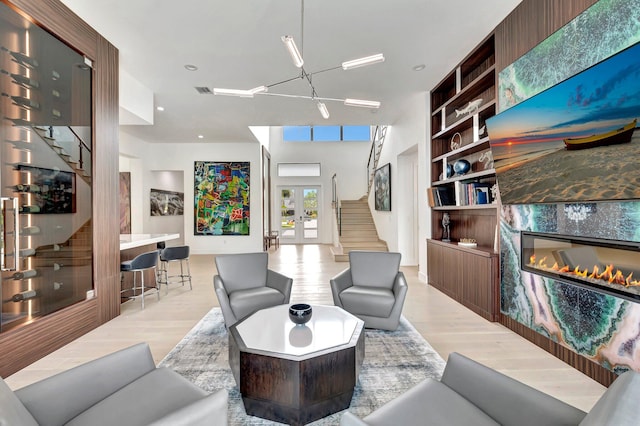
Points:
(244, 284)
(122, 388)
(470, 393)
(372, 288)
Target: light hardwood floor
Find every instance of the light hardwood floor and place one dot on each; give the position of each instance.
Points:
(445, 324)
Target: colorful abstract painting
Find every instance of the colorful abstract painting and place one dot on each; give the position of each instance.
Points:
(221, 198)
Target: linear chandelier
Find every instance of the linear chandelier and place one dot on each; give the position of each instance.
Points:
(298, 61)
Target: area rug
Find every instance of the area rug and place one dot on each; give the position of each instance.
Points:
(394, 362)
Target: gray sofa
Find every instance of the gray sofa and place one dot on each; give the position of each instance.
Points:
(471, 394)
(122, 388)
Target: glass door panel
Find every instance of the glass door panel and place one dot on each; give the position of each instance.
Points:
(45, 173)
(310, 221)
(287, 214)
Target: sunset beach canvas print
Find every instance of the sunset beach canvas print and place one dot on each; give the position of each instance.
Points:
(577, 141)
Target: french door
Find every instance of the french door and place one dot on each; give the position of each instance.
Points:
(299, 214)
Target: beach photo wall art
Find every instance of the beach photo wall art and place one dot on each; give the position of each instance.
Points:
(382, 185)
(166, 203)
(577, 141)
(221, 198)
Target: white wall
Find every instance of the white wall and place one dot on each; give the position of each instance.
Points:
(348, 160)
(180, 157)
(405, 146)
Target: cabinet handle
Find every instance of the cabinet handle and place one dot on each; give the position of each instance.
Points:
(16, 236)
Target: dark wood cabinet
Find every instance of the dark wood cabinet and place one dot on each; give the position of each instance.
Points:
(469, 276)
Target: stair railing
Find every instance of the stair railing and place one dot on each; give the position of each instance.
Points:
(82, 148)
(377, 141)
(335, 202)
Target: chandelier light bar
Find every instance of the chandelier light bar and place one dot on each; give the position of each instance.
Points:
(362, 103)
(296, 57)
(259, 89)
(233, 92)
(323, 110)
(361, 62)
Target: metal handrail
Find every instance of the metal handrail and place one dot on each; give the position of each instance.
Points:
(80, 145)
(335, 201)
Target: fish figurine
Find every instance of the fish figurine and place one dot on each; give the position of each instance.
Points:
(473, 106)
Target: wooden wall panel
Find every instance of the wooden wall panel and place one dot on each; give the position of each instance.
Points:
(106, 213)
(26, 344)
(586, 366)
(530, 23)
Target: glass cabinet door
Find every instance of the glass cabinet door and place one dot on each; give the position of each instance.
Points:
(45, 172)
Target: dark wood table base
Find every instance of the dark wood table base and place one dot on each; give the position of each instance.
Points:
(297, 390)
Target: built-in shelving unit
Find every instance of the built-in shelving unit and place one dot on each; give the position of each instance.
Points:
(460, 104)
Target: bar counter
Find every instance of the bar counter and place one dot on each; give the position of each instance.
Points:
(132, 245)
(129, 241)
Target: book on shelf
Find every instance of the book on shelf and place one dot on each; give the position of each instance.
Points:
(440, 196)
(431, 197)
(472, 193)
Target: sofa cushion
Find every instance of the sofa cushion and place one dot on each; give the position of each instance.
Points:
(618, 405)
(84, 385)
(374, 301)
(246, 302)
(374, 269)
(506, 400)
(243, 271)
(12, 412)
(430, 402)
(149, 398)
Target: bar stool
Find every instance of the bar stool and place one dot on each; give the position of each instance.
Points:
(141, 263)
(174, 254)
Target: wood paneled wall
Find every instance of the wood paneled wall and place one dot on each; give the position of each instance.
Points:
(529, 24)
(25, 345)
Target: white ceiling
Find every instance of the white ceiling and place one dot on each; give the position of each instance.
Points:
(236, 44)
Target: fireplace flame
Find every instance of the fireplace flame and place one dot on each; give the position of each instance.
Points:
(609, 275)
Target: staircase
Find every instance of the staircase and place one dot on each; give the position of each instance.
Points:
(358, 230)
(65, 135)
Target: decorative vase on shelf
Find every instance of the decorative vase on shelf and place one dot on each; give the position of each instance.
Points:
(461, 167)
(449, 172)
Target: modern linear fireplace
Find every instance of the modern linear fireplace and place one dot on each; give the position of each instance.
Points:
(606, 266)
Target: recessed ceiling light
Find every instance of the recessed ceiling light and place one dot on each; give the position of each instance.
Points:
(419, 67)
(159, 108)
(200, 136)
(190, 67)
